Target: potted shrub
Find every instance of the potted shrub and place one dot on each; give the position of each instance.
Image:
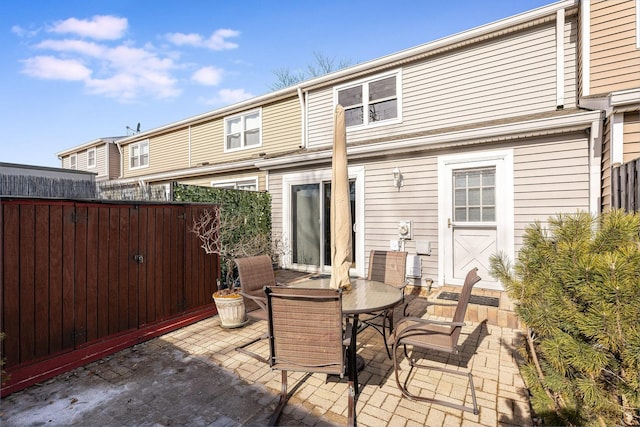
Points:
(227, 235)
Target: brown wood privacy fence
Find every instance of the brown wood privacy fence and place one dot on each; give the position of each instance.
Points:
(625, 183)
(83, 279)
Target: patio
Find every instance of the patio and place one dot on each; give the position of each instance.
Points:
(193, 376)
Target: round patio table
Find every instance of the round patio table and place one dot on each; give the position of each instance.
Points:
(365, 296)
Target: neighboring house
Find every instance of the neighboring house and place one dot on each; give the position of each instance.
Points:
(454, 146)
(100, 156)
(610, 77)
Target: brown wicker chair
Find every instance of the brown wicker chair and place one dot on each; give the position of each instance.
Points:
(435, 335)
(306, 335)
(388, 267)
(255, 273)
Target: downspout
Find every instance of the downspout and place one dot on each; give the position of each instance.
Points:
(560, 59)
(189, 146)
(595, 161)
(303, 118)
(585, 38)
(121, 161)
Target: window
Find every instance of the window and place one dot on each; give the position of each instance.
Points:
(474, 195)
(73, 162)
(91, 158)
(243, 131)
(378, 97)
(249, 184)
(139, 155)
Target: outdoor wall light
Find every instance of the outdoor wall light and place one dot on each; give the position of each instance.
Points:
(397, 178)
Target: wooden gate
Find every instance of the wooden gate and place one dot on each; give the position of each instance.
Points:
(84, 279)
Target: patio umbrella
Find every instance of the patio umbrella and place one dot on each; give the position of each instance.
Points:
(340, 207)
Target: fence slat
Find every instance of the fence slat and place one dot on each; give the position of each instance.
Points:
(11, 283)
(27, 282)
(41, 322)
(625, 186)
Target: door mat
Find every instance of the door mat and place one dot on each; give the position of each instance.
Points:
(475, 299)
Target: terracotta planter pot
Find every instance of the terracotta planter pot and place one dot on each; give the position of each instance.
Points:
(231, 310)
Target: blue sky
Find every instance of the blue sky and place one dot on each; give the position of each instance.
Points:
(77, 70)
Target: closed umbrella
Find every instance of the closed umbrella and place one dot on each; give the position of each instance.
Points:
(340, 207)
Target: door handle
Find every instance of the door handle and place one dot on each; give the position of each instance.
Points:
(449, 224)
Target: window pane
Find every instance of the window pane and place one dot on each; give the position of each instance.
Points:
(234, 126)
(144, 148)
(384, 88)
(383, 110)
(233, 141)
(135, 151)
(461, 214)
(351, 96)
(474, 179)
(488, 196)
(488, 178)
(460, 180)
(489, 214)
(144, 159)
(252, 137)
(474, 196)
(252, 121)
(461, 197)
(134, 162)
(353, 116)
(474, 214)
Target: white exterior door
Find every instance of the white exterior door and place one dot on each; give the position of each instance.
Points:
(475, 214)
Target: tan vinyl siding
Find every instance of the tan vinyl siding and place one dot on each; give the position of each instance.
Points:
(114, 161)
(500, 78)
(615, 59)
(167, 152)
(550, 177)
(606, 167)
(280, 133)
(631, 136)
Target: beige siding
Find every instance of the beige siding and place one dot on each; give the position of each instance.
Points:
(207, 142)
(615, 59)
(550, 177)
(631, 136)
(167, 152)
(114, 161)
(506, 77)
(101, 162)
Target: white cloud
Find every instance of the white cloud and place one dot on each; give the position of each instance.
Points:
(100, 27)
(77, 46)
(208, 76)
(23, 32)
(51, 68)
(217, 40)
(229, 96)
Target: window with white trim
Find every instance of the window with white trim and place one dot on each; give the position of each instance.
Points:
(91, 158)
(243, 131)
(379, 97)
(139, 155)
(73, 161)
(249, 184)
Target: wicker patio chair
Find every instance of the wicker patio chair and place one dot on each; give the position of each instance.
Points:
(425, 334)
(306, 334)
(388, 267)
(255, 273)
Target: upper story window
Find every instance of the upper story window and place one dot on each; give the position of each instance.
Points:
(73, 162)
(243, 131)
(139, 155)
(248, 184)
(371, 101)
(91, 158)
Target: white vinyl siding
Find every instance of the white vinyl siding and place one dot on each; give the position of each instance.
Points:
(505, 77)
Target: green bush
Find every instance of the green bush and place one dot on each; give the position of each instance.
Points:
(245, 221)
(577, 288)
